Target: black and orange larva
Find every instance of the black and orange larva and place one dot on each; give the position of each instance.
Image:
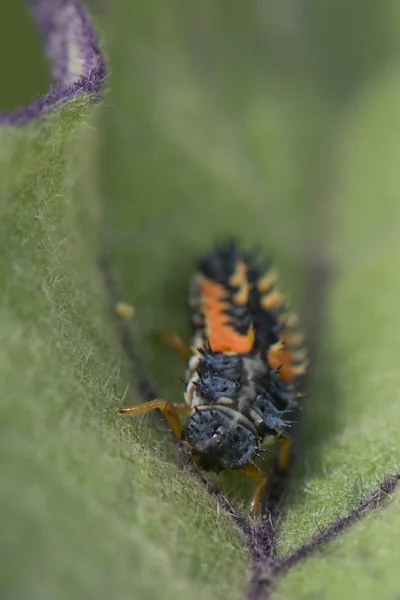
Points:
(245, 360)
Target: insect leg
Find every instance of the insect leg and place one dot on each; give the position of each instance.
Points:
(173, 340)
(166, 408)
(260, 479)
(284, 453)
(181, 407)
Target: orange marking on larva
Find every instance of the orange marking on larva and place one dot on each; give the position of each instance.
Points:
(268, 280)
(221, 336)
(281, 358)
(272, 300)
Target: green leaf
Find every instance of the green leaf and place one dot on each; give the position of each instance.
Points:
(269, 129)
(223, 118)
(91, 506)
(362, 563)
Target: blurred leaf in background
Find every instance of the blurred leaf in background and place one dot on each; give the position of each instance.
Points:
(275, 122)
(24, 73)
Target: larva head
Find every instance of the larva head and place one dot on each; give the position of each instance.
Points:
(219, 440)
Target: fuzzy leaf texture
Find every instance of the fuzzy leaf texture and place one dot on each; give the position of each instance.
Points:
(245, 119)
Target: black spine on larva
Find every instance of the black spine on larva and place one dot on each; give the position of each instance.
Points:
(220, 263)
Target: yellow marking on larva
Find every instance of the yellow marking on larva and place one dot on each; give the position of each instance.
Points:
(239, 276)
(195, 349)
(294, 339)
(267, 281)
(242, 295)
(255, 417)
(225, 401)
(239, 280)
(194, 362)
(299, 354)
(291, 320)
(272, 300)
(197, 342)
(277, 347)
(303, 362)
(190, 390)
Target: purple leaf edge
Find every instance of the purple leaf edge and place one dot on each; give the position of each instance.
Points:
(76, 61)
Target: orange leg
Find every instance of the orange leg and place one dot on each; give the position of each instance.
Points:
(260, 479)
(284, 453)
(166, 408)
(181, 407)
(173, 340)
